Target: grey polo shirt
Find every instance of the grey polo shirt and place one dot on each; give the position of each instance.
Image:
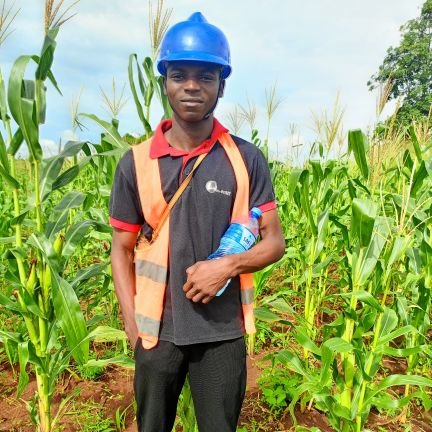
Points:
(197, 222)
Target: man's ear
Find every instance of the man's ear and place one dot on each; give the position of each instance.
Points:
(221, 88)
(164, 79)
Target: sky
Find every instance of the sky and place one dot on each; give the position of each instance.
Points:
(311, 50)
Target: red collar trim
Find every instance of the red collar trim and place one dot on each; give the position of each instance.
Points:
(160, 147)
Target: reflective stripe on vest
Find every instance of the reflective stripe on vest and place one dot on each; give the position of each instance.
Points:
(151, 260)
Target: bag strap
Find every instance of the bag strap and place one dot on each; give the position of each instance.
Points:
(176, 196)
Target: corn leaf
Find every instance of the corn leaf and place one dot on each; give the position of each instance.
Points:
(121, 360)
(51, 168)
(385, 401)
(9, 179)
(70, 317)
(59, 216)
(47, 55)
(22, 108)
(358, 144)
(416, 143)
(74, 236)
(112, 134)
(305, 203)
(397, 380)
(69, 175)
(23, 356)
(364, 212)
(143, 87)
(305, 341)
(291, 361)
(9, 304)
(263, 314)
(15, 144)
(3, 105)
(3, 154)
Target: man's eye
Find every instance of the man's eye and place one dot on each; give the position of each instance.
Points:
(207, 78)
(176, 77)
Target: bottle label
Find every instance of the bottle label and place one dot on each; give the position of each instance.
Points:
(241, 235)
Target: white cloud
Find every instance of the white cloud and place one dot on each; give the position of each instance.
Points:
(312, 48)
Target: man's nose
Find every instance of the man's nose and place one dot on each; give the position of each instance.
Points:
(192, 84)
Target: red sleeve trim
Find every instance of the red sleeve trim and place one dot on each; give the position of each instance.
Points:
(271, 205)
(124, 225)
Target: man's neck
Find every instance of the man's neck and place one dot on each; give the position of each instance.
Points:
(188, 136)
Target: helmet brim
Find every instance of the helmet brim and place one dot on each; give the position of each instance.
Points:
(194, 56)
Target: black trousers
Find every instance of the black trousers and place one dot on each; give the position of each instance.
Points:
(217, 377)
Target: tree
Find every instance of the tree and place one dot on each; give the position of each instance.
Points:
(409, 68)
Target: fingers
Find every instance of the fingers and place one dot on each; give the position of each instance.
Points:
(187, 286)
(198, 296)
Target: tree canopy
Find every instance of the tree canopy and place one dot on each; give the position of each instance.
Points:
(409, 68)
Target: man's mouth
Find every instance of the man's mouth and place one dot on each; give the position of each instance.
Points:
(191, 101)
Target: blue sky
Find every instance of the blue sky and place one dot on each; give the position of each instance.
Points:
(311, 49)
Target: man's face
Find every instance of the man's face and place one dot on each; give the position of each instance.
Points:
(192, 88)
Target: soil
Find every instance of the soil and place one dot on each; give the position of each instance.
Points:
(111, 393)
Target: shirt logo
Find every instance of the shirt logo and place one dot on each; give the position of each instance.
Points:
(212, 187)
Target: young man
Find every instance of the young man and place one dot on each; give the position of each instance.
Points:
(199, 333)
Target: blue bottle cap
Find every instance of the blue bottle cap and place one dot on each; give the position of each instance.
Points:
(256, 212)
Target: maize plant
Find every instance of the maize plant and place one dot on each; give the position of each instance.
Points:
(44, 239)
(380, 242)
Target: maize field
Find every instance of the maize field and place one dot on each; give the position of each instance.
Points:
(343, 338)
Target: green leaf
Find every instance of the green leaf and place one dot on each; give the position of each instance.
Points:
(3, 105)
(75, 235)
(364, 297)
(107, 334)
(85, 274)
(70, 317)
(47, 54)
(385, 401)
(321, 233)
(72, 148)
(112, 134)
(60, 213)
(397, 380)
(304, 199)
(4, 161)
(403, 352)
(293, 181)
(416, 143)
(358, 144)
(23, 356)
(388, 322)
(121, 360)
(364, 212)
(15, 144)
(419, 176)
(291, 361)
(263, 314)
(9, 179)
(51, 168)
(69, 175)
(9, 304)
(22, 108)
(305, 341)
(364, 261)
(338, 345)
(143, 88)
(402, 308)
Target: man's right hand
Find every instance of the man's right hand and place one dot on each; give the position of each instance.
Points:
(132, 334)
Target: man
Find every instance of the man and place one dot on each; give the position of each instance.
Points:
(200, 334)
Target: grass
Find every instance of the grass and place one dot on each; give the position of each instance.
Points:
(90, 416)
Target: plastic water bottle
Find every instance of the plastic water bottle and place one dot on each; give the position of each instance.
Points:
(239, 237)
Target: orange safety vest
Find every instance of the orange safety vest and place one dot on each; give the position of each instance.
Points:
(151, 259)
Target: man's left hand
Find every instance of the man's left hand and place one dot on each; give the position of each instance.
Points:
(205, 279)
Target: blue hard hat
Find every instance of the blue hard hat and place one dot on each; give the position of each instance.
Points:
(195, 40)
